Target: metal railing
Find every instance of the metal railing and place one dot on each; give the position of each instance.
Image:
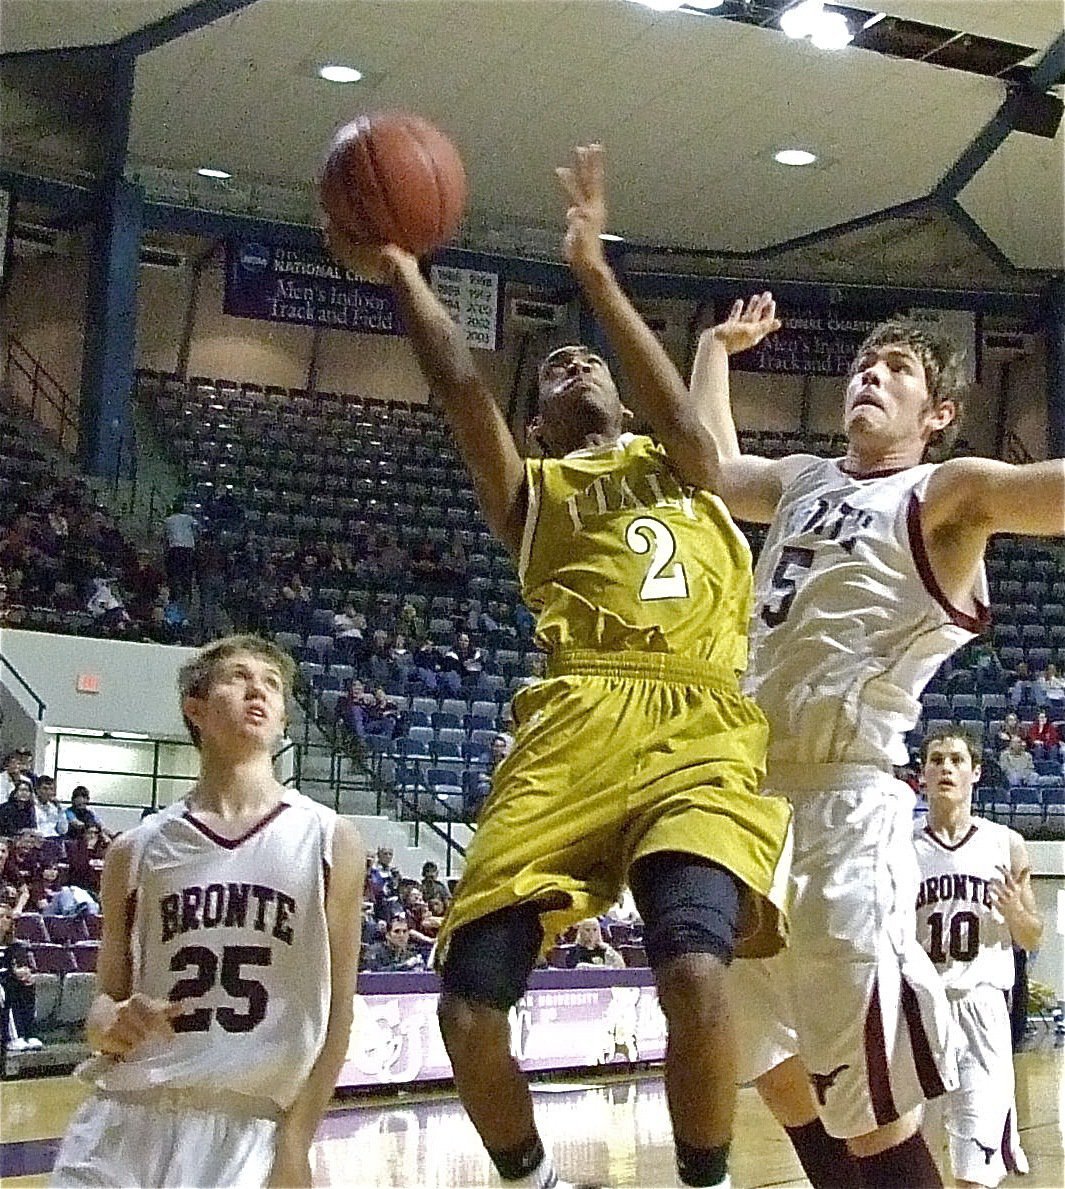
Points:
(24, 370)
(41, 704)
(154, 774)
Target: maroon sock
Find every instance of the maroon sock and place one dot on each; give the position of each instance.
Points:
(826, 1160)
(908, 1165)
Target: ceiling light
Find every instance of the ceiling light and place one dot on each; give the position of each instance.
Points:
(333, 73)
(826, 30)
(611, 238)
(801, 20)
(875, 19)
(795, 157)
(832, 32)
(220, 174)
(703, 5)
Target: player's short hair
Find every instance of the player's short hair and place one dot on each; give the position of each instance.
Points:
(196, 675)
(943, 363)
(954, 731)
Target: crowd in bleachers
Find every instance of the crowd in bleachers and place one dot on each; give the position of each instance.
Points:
(51, 859)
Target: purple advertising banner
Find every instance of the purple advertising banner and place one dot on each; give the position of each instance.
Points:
(305, 288)
(823, 341)
(567, 1020)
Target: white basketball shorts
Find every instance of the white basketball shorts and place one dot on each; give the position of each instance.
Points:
(161, 1140)
(854, 996)
(980, 1116)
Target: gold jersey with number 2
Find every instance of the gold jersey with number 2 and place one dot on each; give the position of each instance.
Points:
(619, 555)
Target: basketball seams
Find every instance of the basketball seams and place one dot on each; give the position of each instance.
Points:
(380, 179)
(443, 214)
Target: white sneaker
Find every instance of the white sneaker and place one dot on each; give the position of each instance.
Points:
(16, 1045)
(32, 1042)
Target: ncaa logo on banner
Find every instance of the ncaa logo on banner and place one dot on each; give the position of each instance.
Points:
(254, 257)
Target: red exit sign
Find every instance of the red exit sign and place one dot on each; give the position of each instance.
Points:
(87, 683)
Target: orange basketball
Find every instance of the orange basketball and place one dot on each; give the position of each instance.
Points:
(394, 178)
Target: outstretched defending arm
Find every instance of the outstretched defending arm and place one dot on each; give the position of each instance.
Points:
(751, 486)
(480, 429)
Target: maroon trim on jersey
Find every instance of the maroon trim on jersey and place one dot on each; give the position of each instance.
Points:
(233, 843)
(1006, 1147)
(876, 1063)
(946, 845)
(923, 1061)
(972, 623)
(884, 474)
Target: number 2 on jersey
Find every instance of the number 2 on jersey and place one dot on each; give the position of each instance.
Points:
(785, 582)
(644, 533)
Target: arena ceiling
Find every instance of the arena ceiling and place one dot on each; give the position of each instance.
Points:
(691, 108)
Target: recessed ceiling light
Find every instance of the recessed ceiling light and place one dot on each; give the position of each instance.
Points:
(333, 73)
(611, 238)
(795, 157)
(206, 172)
(661, 5)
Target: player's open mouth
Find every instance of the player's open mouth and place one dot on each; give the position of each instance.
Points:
(256, 712)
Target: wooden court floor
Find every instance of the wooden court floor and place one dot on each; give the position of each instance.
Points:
(613, 1131)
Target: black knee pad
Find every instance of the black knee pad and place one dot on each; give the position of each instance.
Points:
(490, 959)
(689, 905)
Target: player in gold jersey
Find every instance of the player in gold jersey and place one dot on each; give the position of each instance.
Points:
(637, 759)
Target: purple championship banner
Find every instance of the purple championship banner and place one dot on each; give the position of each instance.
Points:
(823, 341)
(567, 1020)
(304, 287)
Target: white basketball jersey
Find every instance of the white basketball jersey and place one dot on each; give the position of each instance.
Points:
(849, 624)
(237, 931)
(965, 937)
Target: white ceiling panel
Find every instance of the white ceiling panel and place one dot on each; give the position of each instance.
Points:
(51, 24)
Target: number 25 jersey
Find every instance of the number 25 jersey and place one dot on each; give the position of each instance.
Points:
(849, 622)
(618, 555)
(236, 931)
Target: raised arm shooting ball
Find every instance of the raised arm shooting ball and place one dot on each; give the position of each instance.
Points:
(394, 178)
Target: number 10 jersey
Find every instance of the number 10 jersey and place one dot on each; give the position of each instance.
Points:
(236, 931)
(849, 622)
(961, 930)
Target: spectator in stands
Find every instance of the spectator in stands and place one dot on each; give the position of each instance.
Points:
(86, 852)
(71, 900)
(498, 750)
(427, 668)
(384, 877)
(395, 952)
(432, 885)
(410, 622)
(79, 810)
(1024, 690)
(144, 582)
(591, 949)
(16, 982)
(211, 562)
(24, 861)
(462, 666)
(181, 531)
(349, 624)
(354, 707)
(1011, 726)
(12, 773)
(1050, 688)
(17, 812)
(44, 887)
(382, 716)
(51, 819)
(1016, 763)
(25, 759)
(400, 659)
(292, 611)
(1043, 737)
(991, 675)
(424, 918)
